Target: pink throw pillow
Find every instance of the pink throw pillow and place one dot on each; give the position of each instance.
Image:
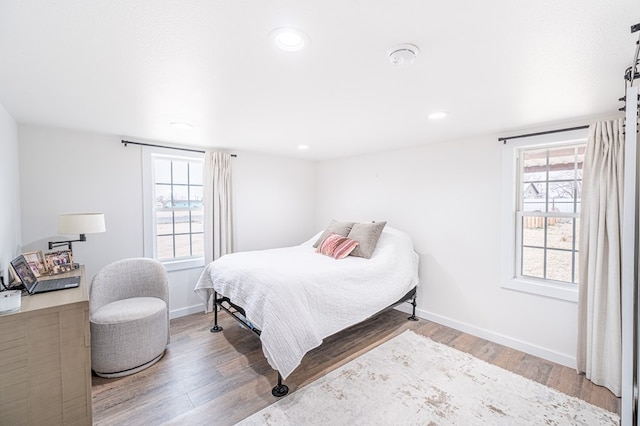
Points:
(337, 246)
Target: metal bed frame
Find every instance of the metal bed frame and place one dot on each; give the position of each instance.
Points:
(238, 313)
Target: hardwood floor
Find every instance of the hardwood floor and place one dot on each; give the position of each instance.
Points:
(220, 379)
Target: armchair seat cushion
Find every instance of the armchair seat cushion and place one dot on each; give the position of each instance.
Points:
(128, 310)
(128, 333)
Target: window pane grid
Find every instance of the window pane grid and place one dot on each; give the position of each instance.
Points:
(549, 248)
(549, 204)
(180, 233)
(550, 214)
(178, 209)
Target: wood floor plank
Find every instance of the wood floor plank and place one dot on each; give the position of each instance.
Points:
(221, 378)
(487, 351)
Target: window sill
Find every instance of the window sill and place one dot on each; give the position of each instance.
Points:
(179, 265)
(567, 292)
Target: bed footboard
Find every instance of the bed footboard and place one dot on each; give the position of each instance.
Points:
(232, 309)
(237, 312)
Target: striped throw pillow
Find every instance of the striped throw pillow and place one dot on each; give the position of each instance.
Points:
(337, 246)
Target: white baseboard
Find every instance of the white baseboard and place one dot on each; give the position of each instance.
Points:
(182, 312)
(501, 339)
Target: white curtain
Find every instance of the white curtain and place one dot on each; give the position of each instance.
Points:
(218, 218)
(599, 353)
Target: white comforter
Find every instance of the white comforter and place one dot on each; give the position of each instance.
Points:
(298, 297)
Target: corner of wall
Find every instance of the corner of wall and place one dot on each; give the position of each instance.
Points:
(10, 238)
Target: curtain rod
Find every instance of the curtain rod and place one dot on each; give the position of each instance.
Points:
(165, 146)
(504, 140)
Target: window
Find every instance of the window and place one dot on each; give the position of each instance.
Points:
(173, 193)
(542, 213)
(547, 215)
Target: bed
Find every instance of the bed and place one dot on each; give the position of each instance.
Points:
(294, 297)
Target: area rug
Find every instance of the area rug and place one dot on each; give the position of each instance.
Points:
(412, 380)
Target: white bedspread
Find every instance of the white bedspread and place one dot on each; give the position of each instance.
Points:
(298, 297)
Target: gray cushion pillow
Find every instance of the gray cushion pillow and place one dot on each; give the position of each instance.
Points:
(335, 227)
(367, 234)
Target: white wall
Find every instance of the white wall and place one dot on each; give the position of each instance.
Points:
(65, 171)
(70, 172)
(274, 201)
(10, 190)
(447, 196)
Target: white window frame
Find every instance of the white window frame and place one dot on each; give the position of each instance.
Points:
(149, 224)
(510, 278)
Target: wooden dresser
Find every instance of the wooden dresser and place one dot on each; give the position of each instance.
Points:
(45, 359)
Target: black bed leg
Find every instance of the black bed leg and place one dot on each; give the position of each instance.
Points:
(216, 328)
(413, 316)
(280, 390)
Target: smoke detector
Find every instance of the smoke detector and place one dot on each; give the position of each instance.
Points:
(403, 55)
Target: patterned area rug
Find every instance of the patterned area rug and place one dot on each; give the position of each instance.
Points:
(412, 380)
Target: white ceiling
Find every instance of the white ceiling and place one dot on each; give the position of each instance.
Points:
(129, 68)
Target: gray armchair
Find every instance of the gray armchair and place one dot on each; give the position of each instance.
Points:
(129, 316)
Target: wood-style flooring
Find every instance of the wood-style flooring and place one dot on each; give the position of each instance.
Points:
(219, 379)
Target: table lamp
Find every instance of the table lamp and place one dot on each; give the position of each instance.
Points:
(78, 223)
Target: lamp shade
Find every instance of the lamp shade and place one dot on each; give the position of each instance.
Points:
(81, 223)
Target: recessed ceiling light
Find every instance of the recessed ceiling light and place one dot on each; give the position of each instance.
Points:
(437, 115)
(181, 125)
(289, 39)
(303, 147)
